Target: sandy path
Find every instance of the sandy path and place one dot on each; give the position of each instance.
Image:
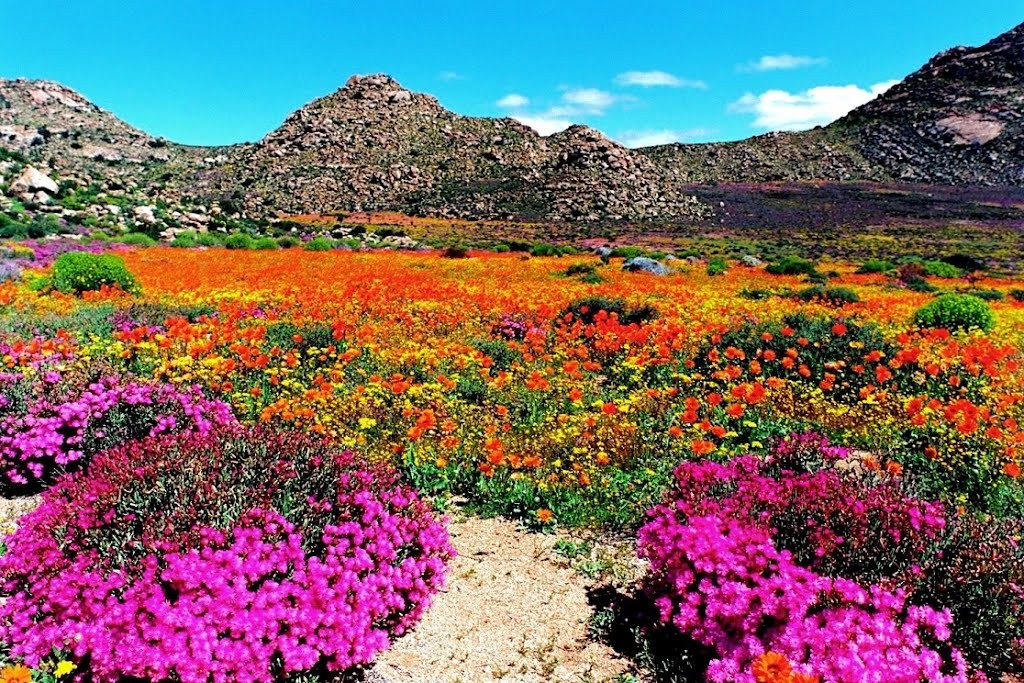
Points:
(513, 611)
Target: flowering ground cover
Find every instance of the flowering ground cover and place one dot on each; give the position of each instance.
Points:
(775, 429)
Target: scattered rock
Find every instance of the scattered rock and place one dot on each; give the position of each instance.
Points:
(33, 180)
(645, 265)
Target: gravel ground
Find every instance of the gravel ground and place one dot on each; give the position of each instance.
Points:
(513, 611)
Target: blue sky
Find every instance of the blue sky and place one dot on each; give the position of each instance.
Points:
(221, 71)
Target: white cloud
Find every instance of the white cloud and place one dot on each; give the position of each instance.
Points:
(783, 110)
(783, 63)
(650, 79)
(450, 76)
(590, 100)
(544, 124)
(513, 101)
(650, 138)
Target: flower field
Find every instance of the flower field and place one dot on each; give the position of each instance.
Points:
(825, 480)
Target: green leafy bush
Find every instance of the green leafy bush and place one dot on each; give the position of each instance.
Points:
(78, 271)
(587, 308)
(717, 266)
(238, 240)
(941, 269)
(137, 239)
(319, 244)
(956, 312)
(987, 294)
(876, 266)
(791, 265)
(266, 244)
(1017, 294)
(544, 249)
(831, 296)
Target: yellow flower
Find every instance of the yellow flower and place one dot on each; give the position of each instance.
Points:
(64, 667)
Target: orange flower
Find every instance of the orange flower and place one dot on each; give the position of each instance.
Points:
(545, 516)
(1011, 469)
(771, 667)
(15, 674)
(702, 446)
(609, 409)
(575, 394)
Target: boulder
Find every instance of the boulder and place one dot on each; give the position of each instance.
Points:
(145, 214)
(645, 265)
(751, 261)
(32, 180)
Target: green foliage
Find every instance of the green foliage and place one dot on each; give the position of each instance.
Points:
(501, 248)
(137, 239)
(627, 252)
(876, 266)
(986, 294)
(238, 240)
(209, 239)
(580, 269)
(1017, 294)
(941, 269)
(830, 296)
(717, 266)
(544, 249)
(185, 240)
(319, 244)
(791, 265)
(956, 312)
(265, 244)
(77, 272)
(287, 242)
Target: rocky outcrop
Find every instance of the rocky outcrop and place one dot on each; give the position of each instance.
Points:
(33, 185)
(374, 145)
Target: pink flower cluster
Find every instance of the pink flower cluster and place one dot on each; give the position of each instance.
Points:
(720, 577)
(48, 435)
(256, 599)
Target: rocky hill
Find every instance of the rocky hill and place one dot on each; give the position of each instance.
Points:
(374, 145)
(959, 120)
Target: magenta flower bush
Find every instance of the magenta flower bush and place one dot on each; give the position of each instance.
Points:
(752, 557)
(231, 556)
(50, 423)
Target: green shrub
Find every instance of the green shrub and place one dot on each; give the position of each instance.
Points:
(987, 294)
(791, 265)
(831, 296)
(319, 244)
(717, 266)
(956, 312)
(627, 252)
(209, 239)
(501, 248)
(266, 244)
(238, 240)
(78, 271)
(580, 269)
(137, 239)
(1017, 294)
(876, 266)
(940, 269)
(544, 249)
(185, 240)
(287, 242)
